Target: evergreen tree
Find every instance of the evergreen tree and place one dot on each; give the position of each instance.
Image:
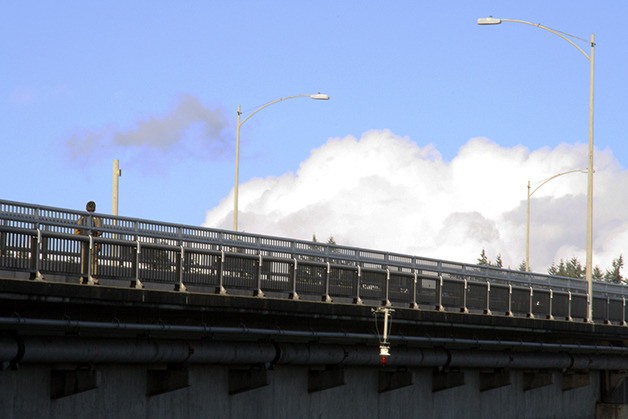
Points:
(597, 274)
(483, 259)
(498, 261)
(614, 274)
(558, 270)
(522, 266)
(572, 269)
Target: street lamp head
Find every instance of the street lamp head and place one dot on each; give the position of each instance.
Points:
(315, 96)
(319, 96)
(489, 21)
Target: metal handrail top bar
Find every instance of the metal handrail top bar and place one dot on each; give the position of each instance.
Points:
(24, 215)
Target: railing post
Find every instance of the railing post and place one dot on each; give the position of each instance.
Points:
(293, 294)
(89, 253)
(530, 314)
(180, 286)
(569, 318)
(35, 252)
(326, 298)
(509, 310)
(220, 289)
(258, 292)
(89, 260)
(136, 282)
(357, 299)
(439, 294)
(413, 303)
(487, 310)
(43, 245)
(607, 320)
(3, 240)
(623, 311)
(386, 300)
(550, 314)
(464, 308)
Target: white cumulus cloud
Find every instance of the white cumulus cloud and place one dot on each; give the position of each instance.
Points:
(386, 192)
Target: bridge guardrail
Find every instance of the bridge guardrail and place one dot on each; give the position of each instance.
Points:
(41, 240)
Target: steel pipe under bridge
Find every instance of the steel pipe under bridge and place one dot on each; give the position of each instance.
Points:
(55, 350)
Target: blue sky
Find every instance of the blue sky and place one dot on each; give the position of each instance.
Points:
(157, 84)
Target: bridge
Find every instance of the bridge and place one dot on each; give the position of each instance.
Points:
(110, 316)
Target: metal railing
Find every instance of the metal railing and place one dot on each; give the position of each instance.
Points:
(43, 243)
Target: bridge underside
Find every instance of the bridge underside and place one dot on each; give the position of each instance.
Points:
(229, 391)
(80, 340)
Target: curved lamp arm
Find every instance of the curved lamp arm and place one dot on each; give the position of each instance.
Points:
(530, 193)
(544, 181)
(316, 96)
(239, 123)
(497, 21)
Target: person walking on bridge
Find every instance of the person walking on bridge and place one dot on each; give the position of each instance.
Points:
(89, 250)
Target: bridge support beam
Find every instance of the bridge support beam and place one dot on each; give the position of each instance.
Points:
(173, 377)
(392, 380)
(575, 379)
(446, 379)
(490, 380)
(609, 410)
(241, 380)
(613, 386)
(322, 379)
(536, 379)
(65, 382)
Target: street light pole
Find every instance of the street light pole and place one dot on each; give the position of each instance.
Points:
(589, 261)
(239, 123)
(115, 186)
(591, 58)
(530, 193)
